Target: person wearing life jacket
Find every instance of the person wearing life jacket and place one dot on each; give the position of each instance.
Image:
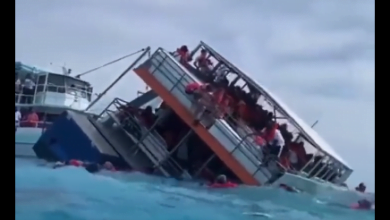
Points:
(244, 111)
(90, 167)
(198, 90)
(363, 204)
(361, 188)
(202, 62)
(109, 166)
(222, 182)
(204, 102)
(32, 119)
(222, 101)
(284, 158)
(76, 163)
(184, 55)
(274, 139)
(224, 106)
(299, 150)
(288, 188)
(72, 162)
(195, 87)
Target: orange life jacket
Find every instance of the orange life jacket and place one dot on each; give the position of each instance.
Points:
(32, 119)
(284, 160)
(259, 141)
(299, 150)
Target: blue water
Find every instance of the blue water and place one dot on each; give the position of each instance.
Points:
(73, 194)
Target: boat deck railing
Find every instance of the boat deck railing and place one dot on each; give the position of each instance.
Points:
(164, 64)
(39, 94)
(38, 124)
(147, 140)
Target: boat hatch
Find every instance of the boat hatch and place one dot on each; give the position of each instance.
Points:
(168, 79)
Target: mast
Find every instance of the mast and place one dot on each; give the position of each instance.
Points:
(145, 52)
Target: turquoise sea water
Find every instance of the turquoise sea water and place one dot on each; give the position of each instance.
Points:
(71, 193)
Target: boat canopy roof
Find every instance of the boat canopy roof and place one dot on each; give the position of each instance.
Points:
(305, 130)
(21, 67)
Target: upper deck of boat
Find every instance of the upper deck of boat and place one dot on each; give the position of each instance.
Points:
(167, 77)
(50, 91)
(282, 107)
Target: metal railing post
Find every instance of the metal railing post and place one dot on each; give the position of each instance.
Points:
(315, 166)
(322, 168)
(204, 165)
(309, 162)
(326, 173)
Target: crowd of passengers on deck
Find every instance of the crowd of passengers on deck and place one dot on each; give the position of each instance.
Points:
(239, 108)
(24, 94)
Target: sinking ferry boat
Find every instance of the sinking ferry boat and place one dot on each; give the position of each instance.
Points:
(54, 90)
(169, 143)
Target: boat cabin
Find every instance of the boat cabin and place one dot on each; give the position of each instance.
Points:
(47, 94)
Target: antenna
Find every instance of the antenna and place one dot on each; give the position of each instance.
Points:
(315, 123)
(65, 70)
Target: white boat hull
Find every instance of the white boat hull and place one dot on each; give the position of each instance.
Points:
(25, 138)
(323, 191)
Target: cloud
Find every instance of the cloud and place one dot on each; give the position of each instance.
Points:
(318, 56)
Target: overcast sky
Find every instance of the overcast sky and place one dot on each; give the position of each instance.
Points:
(318, 56)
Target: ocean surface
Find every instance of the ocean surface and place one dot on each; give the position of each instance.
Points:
(71, 193)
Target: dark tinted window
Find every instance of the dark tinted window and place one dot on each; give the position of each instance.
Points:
(56, 83)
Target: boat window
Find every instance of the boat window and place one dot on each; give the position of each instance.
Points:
(77, 86)
(309, 148)
(56, 83)
(41, 83)
(245, 88)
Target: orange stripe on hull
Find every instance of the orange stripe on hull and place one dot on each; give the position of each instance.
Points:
(187, 117)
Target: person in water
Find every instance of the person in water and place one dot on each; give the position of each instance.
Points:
(361, 188)
(363, 204)
(222, 182)
(90, 167)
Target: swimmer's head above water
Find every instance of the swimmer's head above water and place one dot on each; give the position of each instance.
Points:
(108, 165)
(221, 179)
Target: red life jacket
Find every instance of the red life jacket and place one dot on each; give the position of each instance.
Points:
(259, 141)
(192, 87)
(269, 135)
(223, 185)
(76, 163)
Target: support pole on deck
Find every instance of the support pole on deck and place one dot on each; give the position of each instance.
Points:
(204, 165)
(186, 136)
(147, 50)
